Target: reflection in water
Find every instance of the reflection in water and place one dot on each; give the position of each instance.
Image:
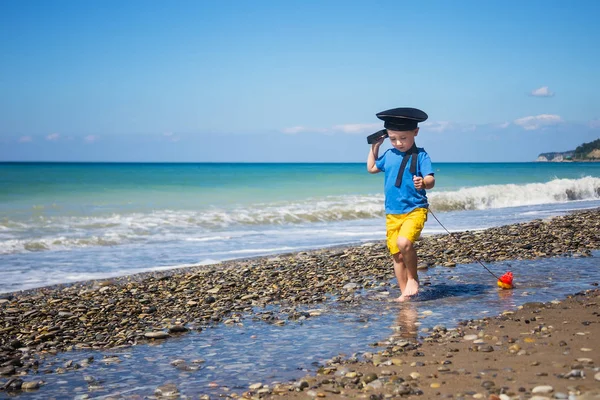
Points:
(406, 322)
(506, 296)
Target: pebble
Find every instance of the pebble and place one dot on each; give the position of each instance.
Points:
(370, 377)
(9, 370)
(450, 264)
(544, 389)
(415, 375)
(156, 335)
(166, 390)
(31, 385)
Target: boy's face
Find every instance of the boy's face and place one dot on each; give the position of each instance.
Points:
(403, 140)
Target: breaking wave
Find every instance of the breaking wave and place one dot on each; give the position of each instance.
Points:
(54, 232)
(501, 196)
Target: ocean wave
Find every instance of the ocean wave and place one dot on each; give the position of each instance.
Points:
(38, 244)
(503, 196)
(55, 233)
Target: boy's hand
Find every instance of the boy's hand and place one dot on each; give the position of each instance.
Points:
(378, 142)
(373, 155)
(419, 182)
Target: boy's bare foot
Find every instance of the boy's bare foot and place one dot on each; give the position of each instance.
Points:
(411, 289)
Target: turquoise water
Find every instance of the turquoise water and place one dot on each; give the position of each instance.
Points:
(243, 183)
(62, 222)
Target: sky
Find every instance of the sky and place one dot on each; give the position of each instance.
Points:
(294, 81)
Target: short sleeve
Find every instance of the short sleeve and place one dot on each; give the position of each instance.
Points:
(380, 162)
(425, 165)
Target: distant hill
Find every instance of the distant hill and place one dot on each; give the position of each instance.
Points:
(585, 152)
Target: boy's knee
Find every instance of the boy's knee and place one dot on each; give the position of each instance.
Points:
(404, 245)
(398, 257)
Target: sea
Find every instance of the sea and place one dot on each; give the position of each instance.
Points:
(68, 222)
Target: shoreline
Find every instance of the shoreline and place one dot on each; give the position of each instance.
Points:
(541, 351)
(433, 250)
(156, 305)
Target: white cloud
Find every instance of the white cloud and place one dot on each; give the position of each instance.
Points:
(356, 128)
(542, 92)
(299, 129)
(53, 136)
(536, 122)
(438, 126)
(294, 130)
(503, 125)
(361, 129)
(25, 139)
(445, 126)
(90, 138)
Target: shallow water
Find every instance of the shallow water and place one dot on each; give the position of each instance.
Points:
(68, 222)
(43, 268)
(238, 355)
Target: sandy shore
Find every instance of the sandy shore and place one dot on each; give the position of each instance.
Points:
(155, 306)
(541, 351)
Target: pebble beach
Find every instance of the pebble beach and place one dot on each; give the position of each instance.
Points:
(541, 351)
(534, 352)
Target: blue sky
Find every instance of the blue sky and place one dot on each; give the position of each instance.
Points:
(296, 81)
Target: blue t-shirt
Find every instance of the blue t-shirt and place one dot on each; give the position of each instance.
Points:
(406, 198)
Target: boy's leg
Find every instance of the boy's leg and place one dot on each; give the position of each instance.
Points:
(410, 231)
(400, 271)
(393, 224)
(411, 277)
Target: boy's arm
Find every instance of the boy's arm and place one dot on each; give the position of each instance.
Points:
(373, 156)
(429, 182)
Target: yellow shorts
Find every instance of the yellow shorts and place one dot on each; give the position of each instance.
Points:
(407, 225)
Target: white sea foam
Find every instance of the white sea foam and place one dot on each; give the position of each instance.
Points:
(207, 239)
(259, 250)
(66, 232)
(501, 196)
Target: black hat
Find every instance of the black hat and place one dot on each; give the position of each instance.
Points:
(402, 119)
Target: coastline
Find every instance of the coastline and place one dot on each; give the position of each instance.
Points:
(541, 351)
(152, 306)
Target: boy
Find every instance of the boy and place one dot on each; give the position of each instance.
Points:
(405, 197)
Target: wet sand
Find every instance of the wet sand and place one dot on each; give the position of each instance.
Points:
(541, 351)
